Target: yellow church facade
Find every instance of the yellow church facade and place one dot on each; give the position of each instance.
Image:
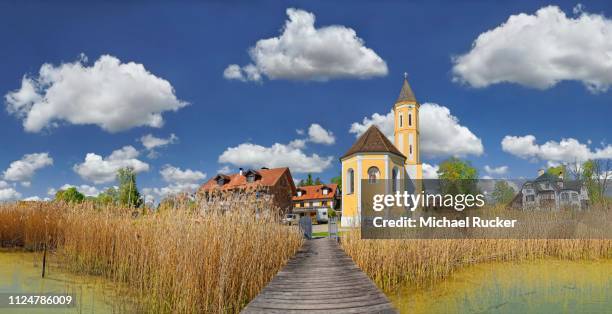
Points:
(373, 157)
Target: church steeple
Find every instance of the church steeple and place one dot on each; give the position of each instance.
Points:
(406, 130)
(406, 94)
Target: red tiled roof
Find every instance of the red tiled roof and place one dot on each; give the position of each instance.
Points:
(313, 192)
(268, 178)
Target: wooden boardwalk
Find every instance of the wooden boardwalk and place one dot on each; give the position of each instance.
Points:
(320, 278)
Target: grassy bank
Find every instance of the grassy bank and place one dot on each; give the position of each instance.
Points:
(397, 263)
(178, 260)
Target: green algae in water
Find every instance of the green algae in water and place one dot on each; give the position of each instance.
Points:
(21, 273)
(546, 286)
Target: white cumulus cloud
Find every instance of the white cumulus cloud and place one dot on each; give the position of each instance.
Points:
(173, 174)
(304, 52)
(36, 198)
(178, 180)
(441, 133)
(151, 142)
(430, 171)
(496, 170)
(317, 134)
(277, 155)
(85, 189)
(24, 169)
(225, 169)
(539, 50)
(98, 169)
(568, 150)
(113, 95)
(8, 193)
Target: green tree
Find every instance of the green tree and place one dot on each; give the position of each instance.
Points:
(337, 180)
(318, 181)
(596, 175)
(306, 182)
(457, 177)
(69, 195)
(558, 171)
(108, 197)
(128, 194)
(503, 192)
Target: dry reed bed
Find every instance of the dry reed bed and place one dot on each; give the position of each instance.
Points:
(396, 263)
(176, 261)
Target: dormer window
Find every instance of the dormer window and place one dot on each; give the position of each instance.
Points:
(299, 193)
(222, 179)
(325, 191)
(252, 176)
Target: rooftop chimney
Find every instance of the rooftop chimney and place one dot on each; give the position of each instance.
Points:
(540, 172)
(241, 171)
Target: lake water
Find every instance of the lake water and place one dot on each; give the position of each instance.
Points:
(549, 286)
(21, 273)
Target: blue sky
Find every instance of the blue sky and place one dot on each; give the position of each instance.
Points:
(532, 91)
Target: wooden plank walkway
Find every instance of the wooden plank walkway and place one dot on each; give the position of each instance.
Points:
(320, 278)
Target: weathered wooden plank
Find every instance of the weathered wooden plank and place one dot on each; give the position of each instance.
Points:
(320, 278)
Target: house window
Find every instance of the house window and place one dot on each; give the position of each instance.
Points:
(565, 197)
(301, 204)
(530, 198)
(350, 179)
(299, 193)
(324, 203)
(409, 119)
(220, 182)
(373, 174)
(251, 178)
(325, 191)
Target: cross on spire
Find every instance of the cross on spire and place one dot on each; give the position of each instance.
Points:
(405, 75)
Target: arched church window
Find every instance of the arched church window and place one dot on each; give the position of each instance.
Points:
(350, 179)
(401, 122)
(409, 119)
(373, 174)
(395, 179)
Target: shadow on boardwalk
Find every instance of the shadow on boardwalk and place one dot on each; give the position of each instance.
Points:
(320, 278)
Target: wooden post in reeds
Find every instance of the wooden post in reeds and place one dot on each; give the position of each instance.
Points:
(44, 262)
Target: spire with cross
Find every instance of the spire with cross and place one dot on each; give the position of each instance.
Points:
(406, 93)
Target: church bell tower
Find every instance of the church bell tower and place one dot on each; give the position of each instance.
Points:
(406, 130)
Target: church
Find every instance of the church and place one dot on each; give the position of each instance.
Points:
(373, 157)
